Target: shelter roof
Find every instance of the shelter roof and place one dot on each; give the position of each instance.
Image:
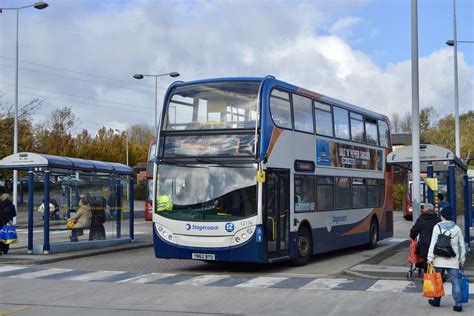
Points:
(35, 161)
(438, 156)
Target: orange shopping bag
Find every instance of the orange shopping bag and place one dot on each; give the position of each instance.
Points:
(432, 283)
(412, 257)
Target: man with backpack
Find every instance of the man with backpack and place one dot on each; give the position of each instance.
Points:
(447, 253)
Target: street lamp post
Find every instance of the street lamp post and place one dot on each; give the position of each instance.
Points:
(40, 5)
(141, 76)
(454, 43)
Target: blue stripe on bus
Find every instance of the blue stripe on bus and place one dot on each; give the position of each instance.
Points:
(251, 251)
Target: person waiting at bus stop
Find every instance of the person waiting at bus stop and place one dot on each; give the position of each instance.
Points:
(82, 219)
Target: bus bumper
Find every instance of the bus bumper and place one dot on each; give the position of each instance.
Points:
(251, 251)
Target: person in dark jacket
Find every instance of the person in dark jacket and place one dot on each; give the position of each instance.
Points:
(423, 229)
(7, 213)
(97, 230)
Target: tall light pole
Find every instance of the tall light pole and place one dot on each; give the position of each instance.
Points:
(126, 143)
(415, 112)
(141, 76)
(456, 93)
(40, 5)
(454, 43)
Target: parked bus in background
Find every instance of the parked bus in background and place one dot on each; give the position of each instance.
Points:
(442, 197)
(148, 208)
(259, 170)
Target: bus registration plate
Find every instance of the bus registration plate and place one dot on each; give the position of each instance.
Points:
(204, 256)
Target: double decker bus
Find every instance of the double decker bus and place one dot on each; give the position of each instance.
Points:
(260, 170)
(441, 198)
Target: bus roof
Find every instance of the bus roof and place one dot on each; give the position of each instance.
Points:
(275, 82)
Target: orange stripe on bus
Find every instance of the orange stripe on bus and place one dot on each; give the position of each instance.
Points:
(363, 227)
(275, 135)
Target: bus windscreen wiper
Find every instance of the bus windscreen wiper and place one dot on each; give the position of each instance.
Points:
(219, 163)
(177, 163)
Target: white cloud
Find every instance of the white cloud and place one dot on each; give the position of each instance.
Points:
(344, 26)
(203, 39)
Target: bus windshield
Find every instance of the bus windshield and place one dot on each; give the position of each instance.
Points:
(212, 105)
(207, 192)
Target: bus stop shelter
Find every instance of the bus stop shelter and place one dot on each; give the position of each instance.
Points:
(105, 185)
(441, 163)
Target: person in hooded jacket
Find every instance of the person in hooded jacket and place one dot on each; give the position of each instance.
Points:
(423, 229)
(82, 218)
(453, 264)
(7, 213)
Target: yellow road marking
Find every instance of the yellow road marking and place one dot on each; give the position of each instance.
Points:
(14, 310)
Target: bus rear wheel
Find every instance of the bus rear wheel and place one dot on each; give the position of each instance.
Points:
(373, 234)
(304, 247)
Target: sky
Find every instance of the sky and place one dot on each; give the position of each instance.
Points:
(83, 53)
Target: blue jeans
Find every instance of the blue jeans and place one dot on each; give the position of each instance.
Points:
(454, 277)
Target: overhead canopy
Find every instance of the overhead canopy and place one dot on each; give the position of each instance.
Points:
(37, 162)
(438, 156)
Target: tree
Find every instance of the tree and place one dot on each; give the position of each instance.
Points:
(443, 133)
(25, 128)
(54, 135)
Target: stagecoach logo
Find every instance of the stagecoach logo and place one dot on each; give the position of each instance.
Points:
(229, 227)
(201, 227)
(329, 223)
(334, 220)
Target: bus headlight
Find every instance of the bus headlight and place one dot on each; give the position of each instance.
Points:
(165, 233)
(242, 235)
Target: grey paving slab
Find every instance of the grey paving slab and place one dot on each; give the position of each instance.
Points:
(416, 287)
(64, 275)
(356, 285)
(230, 281)
(173, 279)
(120, 277)
(292, 283)
(18, 272)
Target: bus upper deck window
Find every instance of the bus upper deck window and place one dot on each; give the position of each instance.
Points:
(324, 125)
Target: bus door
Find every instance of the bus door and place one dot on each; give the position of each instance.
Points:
(276, 212)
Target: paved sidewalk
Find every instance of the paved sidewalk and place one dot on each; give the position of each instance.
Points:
(20, 257)
(393, 264)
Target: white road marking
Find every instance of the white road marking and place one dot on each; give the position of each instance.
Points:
(147, 278)
(38, 274)
(93, 276)
(10, 268)
(379, 268)
(324, 284)
(396, 286)
(261, 282)
(203, 279)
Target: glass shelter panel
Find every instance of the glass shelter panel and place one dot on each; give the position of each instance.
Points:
(98, 204)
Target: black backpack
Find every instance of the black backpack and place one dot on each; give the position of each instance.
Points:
(443, 247)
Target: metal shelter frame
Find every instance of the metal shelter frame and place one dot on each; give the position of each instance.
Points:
(436, 159)
(47, 164)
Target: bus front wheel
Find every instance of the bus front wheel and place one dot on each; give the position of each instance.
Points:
(373, 234)
(304, 246)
